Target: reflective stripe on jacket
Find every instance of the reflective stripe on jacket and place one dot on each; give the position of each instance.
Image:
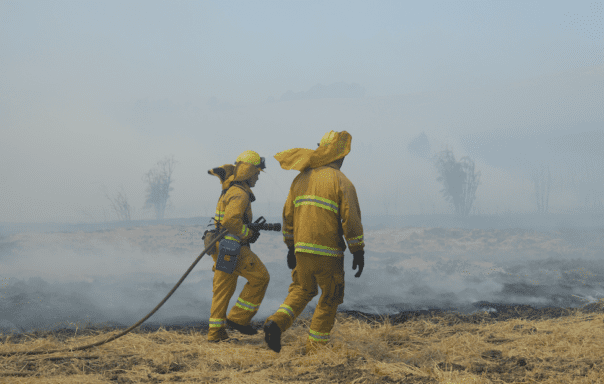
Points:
(234, 211)
(321, 210)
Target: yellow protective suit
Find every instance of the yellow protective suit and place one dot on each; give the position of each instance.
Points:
(321, 207)
(233, 212)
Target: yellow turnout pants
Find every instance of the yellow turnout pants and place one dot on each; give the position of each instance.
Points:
(311, 270)
(250, 267)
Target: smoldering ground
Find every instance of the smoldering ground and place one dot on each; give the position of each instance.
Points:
(114, 277)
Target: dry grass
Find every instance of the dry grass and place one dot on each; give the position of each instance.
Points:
(433, 348)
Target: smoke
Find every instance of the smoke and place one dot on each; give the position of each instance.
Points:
(115, 277)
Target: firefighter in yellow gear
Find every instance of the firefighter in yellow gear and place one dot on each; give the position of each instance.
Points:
(234, 212)
(321, 207)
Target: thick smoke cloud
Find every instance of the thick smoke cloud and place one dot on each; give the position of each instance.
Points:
(116, 276)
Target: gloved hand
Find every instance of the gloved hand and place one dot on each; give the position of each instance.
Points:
(358, 259)
(254, 237)
(291, 258)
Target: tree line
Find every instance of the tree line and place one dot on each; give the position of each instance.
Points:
(459, 179)
(159, 185)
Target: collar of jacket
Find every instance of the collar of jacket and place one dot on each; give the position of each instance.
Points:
(224, 173)
(333, 165)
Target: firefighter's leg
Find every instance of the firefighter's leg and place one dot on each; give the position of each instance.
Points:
(223, 289)
(301, 291)
(256, 274)
(330, 278)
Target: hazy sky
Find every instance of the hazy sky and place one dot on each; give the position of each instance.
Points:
(93, 94)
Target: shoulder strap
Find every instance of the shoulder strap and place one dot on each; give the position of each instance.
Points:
(250, 195)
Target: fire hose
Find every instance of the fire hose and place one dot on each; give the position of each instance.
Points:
(218, 237)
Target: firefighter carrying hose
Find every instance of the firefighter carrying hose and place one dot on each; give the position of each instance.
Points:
(321, 207)
(232, 255)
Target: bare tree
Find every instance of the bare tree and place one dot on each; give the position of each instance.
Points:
(459, 181)
(543, 184)
(158, 190)
(120, 205)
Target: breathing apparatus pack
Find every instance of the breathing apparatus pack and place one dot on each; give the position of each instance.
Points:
(228, 252)
(229, 247)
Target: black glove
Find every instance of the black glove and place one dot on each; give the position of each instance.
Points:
(291, 258)
(254, 237)
(359, 259)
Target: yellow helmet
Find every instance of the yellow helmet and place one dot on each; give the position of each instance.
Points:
(253, 158)
(327, 139)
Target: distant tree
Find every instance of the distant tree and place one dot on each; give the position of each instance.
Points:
(459, 181)
(120, 205)
(543, 184)
(420, 146)
(158, 190)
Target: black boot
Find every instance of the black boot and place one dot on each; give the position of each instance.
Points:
(272, 336)
(245, 329)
